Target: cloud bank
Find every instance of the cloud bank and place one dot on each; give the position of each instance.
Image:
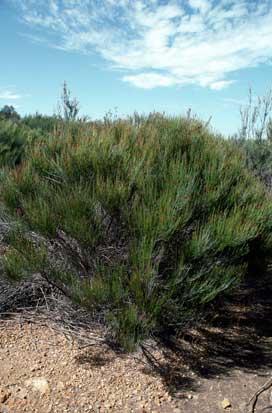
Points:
(159, 43)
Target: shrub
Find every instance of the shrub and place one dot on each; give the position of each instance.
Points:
(14, 137)
(159, 218)
(12, 142)
(9, 113)
(255, 135)
(45, 124)
(259, 159)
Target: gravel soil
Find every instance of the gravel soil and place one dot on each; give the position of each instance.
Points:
(75, 380)
(216, 368)
(92, 380)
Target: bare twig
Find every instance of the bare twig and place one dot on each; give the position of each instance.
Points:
(266, 408)
(254, 398)
(60, 315)
(152, 361)
(255, 116)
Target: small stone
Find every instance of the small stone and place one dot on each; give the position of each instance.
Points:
(60, 385)
(39, 383)
(49, 408)
(22, 394)
(4, 395)
(108, 405)
(226, 404)
(190, 396)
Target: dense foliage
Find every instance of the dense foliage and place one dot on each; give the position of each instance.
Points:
(14, 137)
(258, 155)
(9, 113)
(45, 124)
(158, 216)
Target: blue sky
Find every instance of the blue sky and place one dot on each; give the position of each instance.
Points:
(139, 55)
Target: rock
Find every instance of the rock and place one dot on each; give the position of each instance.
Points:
(60, 385)
(226, 404)
(4, 395)
(22, 393)
(49, 408)
(39, 383)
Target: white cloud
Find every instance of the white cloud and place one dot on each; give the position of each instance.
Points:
(6, 94)
(149, 80)
(221, 84)
(189, 42)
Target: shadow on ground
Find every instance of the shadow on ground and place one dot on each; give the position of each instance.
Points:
(236, 335)
(95, 360)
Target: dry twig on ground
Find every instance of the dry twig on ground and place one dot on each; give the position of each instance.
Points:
(254, 398)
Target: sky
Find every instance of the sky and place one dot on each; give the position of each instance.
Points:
(136, 55)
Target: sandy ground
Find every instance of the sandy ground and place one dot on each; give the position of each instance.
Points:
(213, 369)
(43, 372)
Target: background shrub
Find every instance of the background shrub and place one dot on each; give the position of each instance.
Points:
(12, 142)
(255, 135)
(14, 139)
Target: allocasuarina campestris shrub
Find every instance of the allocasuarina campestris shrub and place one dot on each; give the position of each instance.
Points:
(165, 216)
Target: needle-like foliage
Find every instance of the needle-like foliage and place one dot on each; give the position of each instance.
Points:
(164, 215)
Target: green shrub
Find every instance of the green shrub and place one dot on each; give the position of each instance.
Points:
(13, 140)
(9, 113)
(46, 124)
(166, 214)
(258, 155)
